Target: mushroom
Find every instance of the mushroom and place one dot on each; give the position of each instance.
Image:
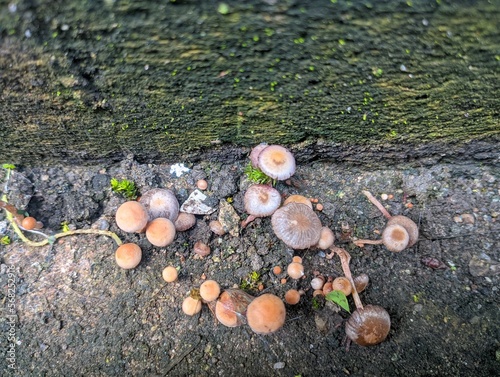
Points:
(369, 325)
(266, 314)
(292, 297)
(28, 223)
(317, 282)
(260, 201)
(295, 270)
(184, 221)
(400, 231)
(170, 274)
(296, 225)
(191, 306)
(131, 217)
(342, 284)
(209, 290)
(231, 307)
(276, 162)
(360, 282)
(254, 154)
(298, 199)
(128, 256)
(202, 249)
(326, 238)
(160, 202)
(160, 232)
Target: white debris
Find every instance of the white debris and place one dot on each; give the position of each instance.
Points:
(194, 204)
(178, 169)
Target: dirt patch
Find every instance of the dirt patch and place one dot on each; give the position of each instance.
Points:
(77, 313)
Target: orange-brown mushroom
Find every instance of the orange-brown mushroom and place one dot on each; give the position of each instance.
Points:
(266, 314)
(128, 255)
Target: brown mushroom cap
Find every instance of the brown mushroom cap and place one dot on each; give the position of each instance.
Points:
(261, 200)
(128, 255)
(191, 306)
(160, 232)
(131, 217)
(266, 314)
(184, 221)
(395, 238)
(231, 307)
(296, 225)
(160, 202)
(342, 284)
(368, 326)
(408, 224)
(277, 162)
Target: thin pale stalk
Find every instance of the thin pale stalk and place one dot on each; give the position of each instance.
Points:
(377, 204)
(361, 243)
(345, 258)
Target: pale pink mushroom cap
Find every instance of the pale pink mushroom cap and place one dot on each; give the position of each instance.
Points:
(160, 203)
(261, 200)
(277, 162)
(297, 225)
(254, 154)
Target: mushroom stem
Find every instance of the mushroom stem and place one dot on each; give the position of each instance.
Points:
(379, 205)
(247, 221)
(361, 243)
(345, 258)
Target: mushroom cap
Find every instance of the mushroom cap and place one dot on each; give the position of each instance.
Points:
(295, 270)
(231, 307)
(296, 225)
(160, 232)
(395, 237)
(261, 200)
(326, 238)
(368, 326)
(128, 255)
(292, 296)
(209, 290)
(170, 274)
(254, 154)
(408, 224)
(184, 221)
(160, 202)
(298, 199)
(191, 306)
(277, 162)
(266, 314)
(361, 282)
(131, 217)
(342, 284)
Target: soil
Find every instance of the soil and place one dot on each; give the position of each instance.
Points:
(78, 313)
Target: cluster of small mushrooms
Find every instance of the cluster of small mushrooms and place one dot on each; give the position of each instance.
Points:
(294, 222)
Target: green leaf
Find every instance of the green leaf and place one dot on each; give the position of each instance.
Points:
(8, 166)
(339, 298)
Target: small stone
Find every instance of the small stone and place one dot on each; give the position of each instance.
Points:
(279, 365)
(483, 265)
(195, 204)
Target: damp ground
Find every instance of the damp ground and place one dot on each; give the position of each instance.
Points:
(78, 313)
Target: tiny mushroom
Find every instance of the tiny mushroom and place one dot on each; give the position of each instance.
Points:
(292, 297)
(277, 162)
(326, 238)
(128, 256)
(160, 202)
(266, 314)
(191, 306)
(28, 223)
(170, 274)
(254, 154)
(160, 232)
(295, 270)
(131, 217)
(184, 221)
(297, 225)
(209, 290)
(342, 284)
(298, 199)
